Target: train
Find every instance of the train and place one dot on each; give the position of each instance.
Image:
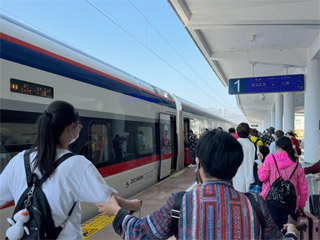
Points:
(134, 133)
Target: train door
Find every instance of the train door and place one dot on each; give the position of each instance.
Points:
(167, 142)
(174, 141)
(186, 129)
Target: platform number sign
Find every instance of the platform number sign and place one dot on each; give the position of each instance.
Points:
(269, 84)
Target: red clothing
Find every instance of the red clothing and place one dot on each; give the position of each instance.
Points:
(315, 168)
(236, 136)
(296, 143)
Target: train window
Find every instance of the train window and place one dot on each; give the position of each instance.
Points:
(145, 140)
(14, 138)
(101, 143)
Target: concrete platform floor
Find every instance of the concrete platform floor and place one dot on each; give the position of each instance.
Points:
(154, 197)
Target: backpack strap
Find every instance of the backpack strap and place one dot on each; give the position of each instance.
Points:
(278, 168)
(29, 173)
(175, 212)
(27, 167)
(257, 209)
(294, 170)
(56, 164)
(275, 162)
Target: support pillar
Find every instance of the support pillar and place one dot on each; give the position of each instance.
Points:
(288, 112)
(278, 112)
(312, 112)
(272, 123)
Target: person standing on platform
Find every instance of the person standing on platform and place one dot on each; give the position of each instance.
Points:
(232, 132)
(295, 142)
(75, 180)
(255, 138)
(266, 137)
(215, 210)
(284, 164)
(277, 135)
(245, 174)
(192, 146)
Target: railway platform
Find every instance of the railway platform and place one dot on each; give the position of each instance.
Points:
(152, 198)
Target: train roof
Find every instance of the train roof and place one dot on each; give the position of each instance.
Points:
(62, 49)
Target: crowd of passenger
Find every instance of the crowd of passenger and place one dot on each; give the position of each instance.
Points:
(237, 172)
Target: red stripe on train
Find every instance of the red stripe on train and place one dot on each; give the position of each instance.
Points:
(67, 60)
(165, 156)
(125, 166)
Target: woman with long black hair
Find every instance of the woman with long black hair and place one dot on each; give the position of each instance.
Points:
(75, 180)
(284, 164)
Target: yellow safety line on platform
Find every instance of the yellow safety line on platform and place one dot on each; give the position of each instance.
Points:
(94, 225)
(178, 173)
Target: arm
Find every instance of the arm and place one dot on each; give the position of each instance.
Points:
(129, 205)
(5, 192)
(302, 188)
(156, 225)
(315, 168)
(264, 170)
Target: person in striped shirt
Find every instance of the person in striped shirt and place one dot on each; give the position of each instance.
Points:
(215, 210)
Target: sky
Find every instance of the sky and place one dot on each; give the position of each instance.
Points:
(144, 38)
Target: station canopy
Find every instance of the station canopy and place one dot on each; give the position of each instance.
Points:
(251, 38)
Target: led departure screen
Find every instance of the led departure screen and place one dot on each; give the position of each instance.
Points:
(30, 88)
(282, 83)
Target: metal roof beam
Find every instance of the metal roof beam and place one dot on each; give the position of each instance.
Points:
(289, 57)
(267, 12)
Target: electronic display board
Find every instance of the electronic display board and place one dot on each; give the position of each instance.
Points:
(29, 88)
(268, 84)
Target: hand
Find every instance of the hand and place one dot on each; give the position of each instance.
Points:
(300, 212)
(135, 205)
(110, 207)
(291, 228)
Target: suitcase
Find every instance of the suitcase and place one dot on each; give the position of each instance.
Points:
(314, 199)
(313, 225)
(186, 156)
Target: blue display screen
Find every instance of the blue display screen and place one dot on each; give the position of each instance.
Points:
(269, 84)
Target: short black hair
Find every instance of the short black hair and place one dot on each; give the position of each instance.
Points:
(220, 154)
(264, 150)
(279, 133)
(243, 130)
(271, 130)
(231, 130)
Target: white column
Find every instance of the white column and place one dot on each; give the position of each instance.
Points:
(278, 112)
(288, 112)
(272, 117)
(312, 111)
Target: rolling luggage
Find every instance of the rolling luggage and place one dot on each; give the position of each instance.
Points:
(314, 198)
(312, 222)
(186, 156)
